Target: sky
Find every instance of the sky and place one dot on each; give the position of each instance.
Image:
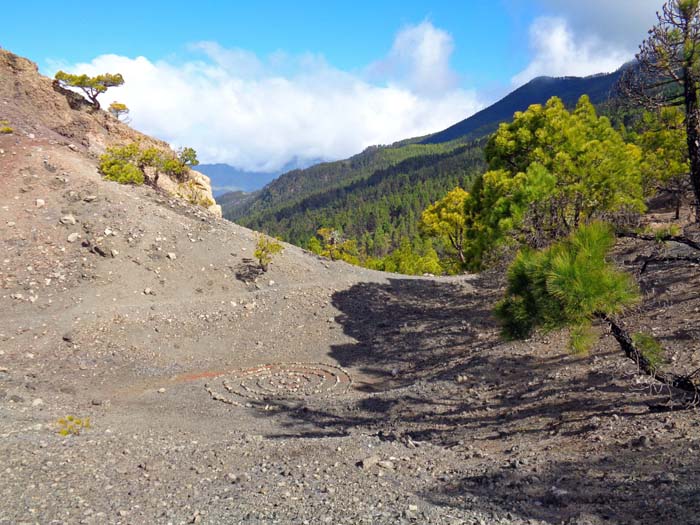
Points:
(262, 86)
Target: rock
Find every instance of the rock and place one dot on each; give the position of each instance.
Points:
(641, 442)
(369, 462)
(72, 147)
(389, 465)
(113, 252)
(40, 203)
(72, 237)
(172, 256)
(148, 291)
(68, 219)
(556, 495)
(37, 402)
(16, 399)
(68, 337)
(161, 390)
(89, 198)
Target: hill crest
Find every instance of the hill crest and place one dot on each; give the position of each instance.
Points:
(36, 107)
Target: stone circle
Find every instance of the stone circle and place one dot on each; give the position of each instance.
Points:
(279, 381)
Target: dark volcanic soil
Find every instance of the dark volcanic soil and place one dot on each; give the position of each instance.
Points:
(387, 400)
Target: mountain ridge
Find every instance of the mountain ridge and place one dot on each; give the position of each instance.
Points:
(536, 91)
(333, 194)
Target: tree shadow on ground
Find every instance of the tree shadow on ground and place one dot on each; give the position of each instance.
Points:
(613, 484)
(429, 365)
(247, 271)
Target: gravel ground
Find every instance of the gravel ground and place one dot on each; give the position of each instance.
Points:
(315, 393)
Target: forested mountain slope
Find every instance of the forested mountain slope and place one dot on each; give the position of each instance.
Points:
(377, 196)
(537, 91)
(377, 210)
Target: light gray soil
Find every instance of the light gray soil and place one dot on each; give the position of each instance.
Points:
(391, 399)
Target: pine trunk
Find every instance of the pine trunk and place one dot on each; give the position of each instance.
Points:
(692, 124)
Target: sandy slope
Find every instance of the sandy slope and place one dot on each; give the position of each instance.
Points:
(316, 393)
(530, 434)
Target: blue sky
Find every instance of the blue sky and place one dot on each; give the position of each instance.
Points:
(257, 84)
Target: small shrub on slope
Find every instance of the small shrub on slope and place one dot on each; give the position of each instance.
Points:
(118, 164)
(71, 425)
(265, 249)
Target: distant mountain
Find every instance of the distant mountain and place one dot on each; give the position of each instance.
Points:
(233, 199)
(537, 91)
(225, 178)
(377, 196)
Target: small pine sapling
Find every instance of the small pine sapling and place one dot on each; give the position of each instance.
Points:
(119, 111)
(265, 248)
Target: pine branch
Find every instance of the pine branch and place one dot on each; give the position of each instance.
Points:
(681, 382)
(662, 238)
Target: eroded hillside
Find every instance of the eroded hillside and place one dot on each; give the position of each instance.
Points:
(317, 392)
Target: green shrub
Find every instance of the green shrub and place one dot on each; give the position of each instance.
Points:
(194, 194)
(5, 127)
(117, 165)
(566, 285)
(71, 425)
(265, 249)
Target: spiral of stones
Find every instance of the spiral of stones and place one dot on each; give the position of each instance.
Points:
(281, 381)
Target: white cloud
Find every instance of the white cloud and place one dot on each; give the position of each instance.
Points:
(419, 60)
(557, 51)
(258, 114)
(619, 23)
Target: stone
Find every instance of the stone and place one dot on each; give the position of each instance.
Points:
(386, 464)
(641, 442)
(369, 462)
(161, 390)
(68, 219)
(40, 203)
(37, 402)
(89, 198)
(72, 237)
(172, 256)
(68, 337)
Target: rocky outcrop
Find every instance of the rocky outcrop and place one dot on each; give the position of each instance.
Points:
(34, 105)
